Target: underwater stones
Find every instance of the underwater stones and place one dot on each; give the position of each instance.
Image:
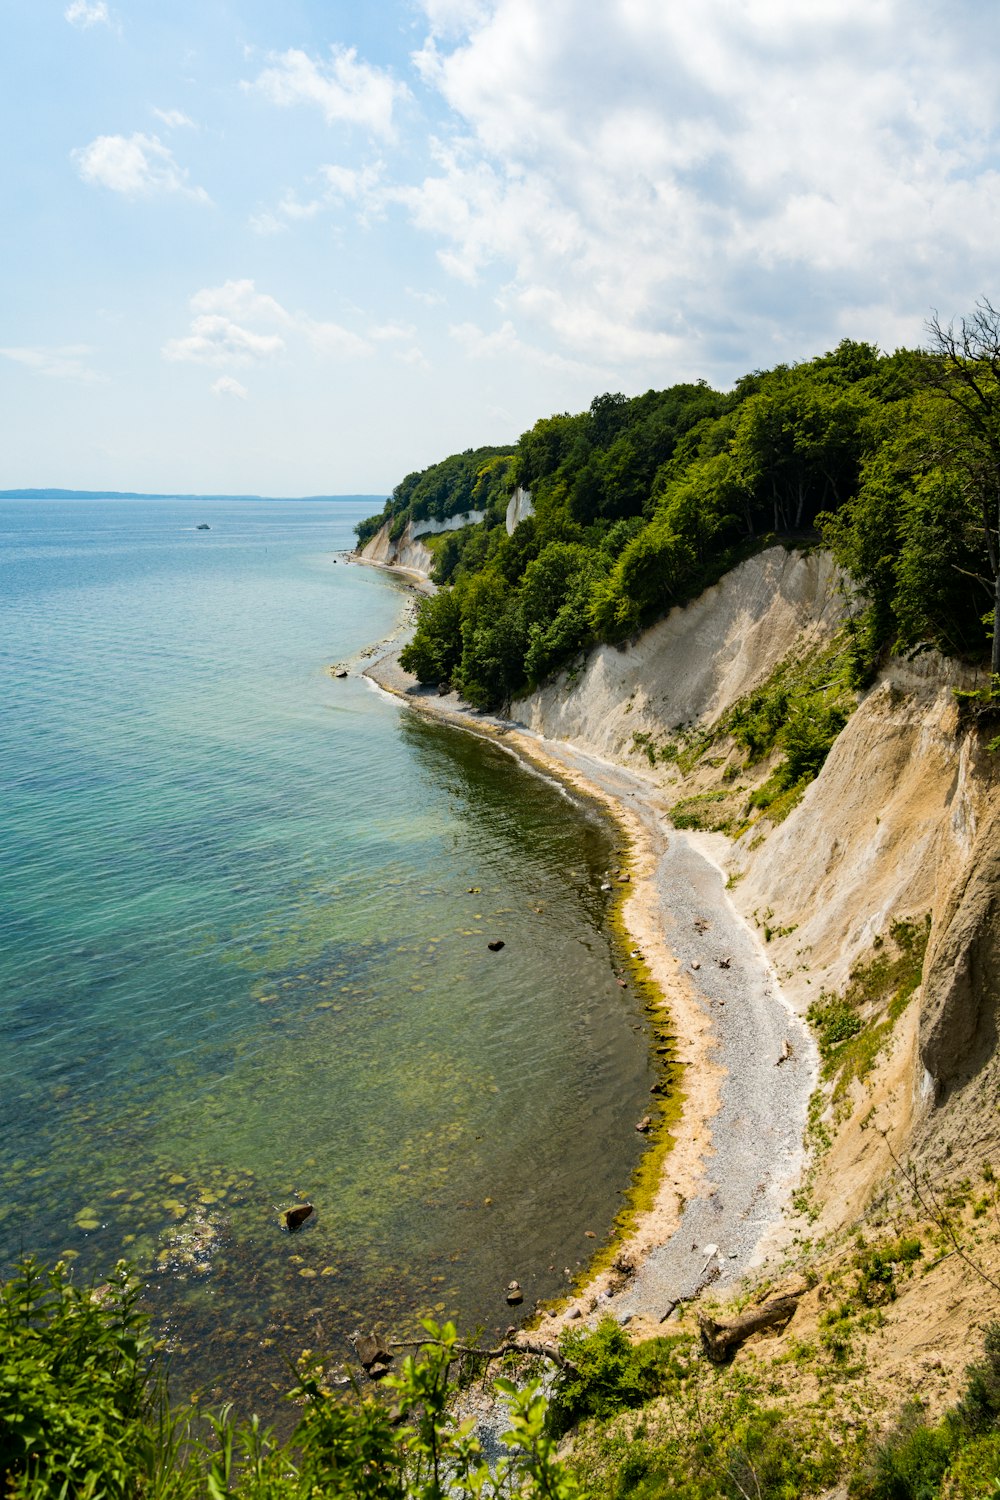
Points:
(495, 945)
(293, 1218)
(644, 1124)
(372, 1353)
(88, 1219)
(514, 1294)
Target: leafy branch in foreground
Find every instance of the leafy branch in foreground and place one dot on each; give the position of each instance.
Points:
(84, 1415)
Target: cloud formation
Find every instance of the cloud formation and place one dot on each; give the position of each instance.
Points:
(649, 182)
(173, 119)
(344, 89)
(80, 13)
(230, 327)
(65, 362)
(137, 166)
(228, 385)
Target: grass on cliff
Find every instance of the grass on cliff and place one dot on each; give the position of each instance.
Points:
(853, 1028)
(793, 716)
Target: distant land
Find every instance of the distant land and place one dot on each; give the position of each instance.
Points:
(140, 495)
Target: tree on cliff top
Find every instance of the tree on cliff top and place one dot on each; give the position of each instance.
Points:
(963, 368)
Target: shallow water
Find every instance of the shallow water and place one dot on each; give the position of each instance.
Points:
(241, 961)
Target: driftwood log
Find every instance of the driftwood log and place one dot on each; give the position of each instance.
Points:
(375, 1355)
(521, 1344)
(721, 1340)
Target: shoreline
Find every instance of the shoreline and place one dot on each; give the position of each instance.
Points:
(747, 1064)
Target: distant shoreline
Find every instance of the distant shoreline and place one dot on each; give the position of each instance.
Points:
(55, 494)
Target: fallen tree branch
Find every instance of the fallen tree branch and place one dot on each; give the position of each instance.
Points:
(721, 1340)
(940, 1216)
(521, 1345)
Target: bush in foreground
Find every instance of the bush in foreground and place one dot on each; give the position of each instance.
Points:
(84, 1416)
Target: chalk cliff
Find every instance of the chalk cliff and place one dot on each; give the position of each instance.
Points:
(408, 551)
(902, 822)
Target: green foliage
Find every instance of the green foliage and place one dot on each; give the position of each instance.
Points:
(879, 1267)
(433, 653)
(657, 496)
(852, 1029)
(76, 1405)
(973, 1472)
(910, 1463)
(957, 1458)
(979, 1407)
(608, 1374)
(84, 1416)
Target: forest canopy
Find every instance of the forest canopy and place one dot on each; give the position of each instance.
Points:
(892, 461)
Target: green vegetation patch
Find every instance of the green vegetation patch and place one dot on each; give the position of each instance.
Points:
(852, 1029)
(797, 712)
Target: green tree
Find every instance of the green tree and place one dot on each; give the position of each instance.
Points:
(962, 368)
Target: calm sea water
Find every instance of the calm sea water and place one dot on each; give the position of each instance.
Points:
(241, 961)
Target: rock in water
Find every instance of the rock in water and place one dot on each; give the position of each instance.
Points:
(514, 1294)
(296, 1216)
(496, 945)
(644, 1124)
(374, 1356)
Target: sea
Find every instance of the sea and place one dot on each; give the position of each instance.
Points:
(244, 916)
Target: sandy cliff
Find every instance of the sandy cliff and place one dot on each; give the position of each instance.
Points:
(902, 821)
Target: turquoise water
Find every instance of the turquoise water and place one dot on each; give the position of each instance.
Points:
(241, 961)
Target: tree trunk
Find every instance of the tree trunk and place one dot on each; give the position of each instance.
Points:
(721, 1340)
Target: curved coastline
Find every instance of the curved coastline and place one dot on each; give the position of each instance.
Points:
(749, 1064)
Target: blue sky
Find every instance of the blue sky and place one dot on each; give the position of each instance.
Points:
(308, 247)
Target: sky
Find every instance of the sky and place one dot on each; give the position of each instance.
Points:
(310, 246)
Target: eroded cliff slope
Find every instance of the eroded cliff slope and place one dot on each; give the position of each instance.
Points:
(899, 829)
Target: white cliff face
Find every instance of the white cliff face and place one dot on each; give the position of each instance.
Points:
(695, 663)
(453, 523)
(407, 550)
(518, 508)
(903, 820)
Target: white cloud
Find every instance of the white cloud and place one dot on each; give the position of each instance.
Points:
(392, 332)
(217, 340)
(137, 166)
(428, 299)
(231, 326)
(344, 89)
(66, 362)
(293, 208)
(361, 187)
(173, 118)
(266, 223)
(228, 385)
(688, 189)
(80, 13)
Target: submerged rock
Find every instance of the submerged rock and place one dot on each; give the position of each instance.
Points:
(375, 1358)
(296, 1216)
(496, 945)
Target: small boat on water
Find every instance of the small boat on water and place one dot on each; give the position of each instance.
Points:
(203, 526)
